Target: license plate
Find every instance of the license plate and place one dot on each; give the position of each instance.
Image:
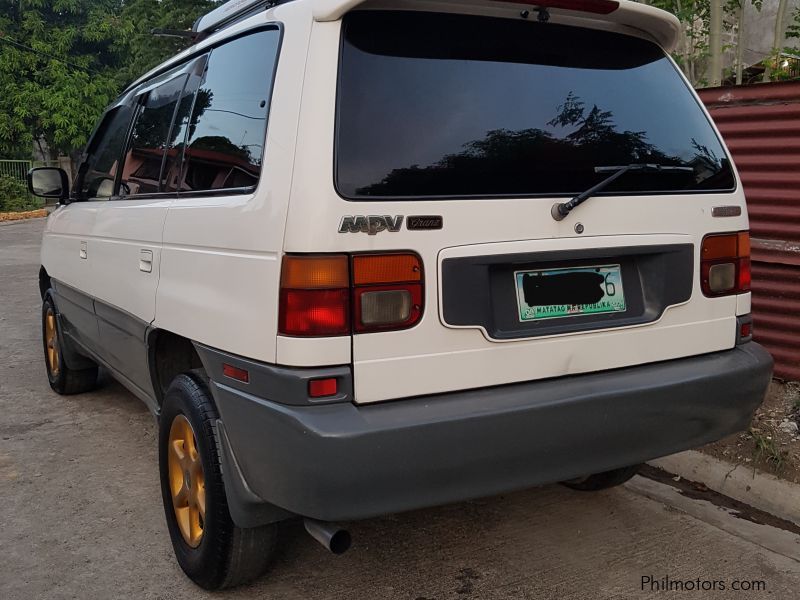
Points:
(558, 293)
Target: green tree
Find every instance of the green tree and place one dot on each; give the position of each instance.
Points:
(63, 61)
(56, 72)
(143, 50)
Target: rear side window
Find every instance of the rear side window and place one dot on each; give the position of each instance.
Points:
(98, 172)
(227, 128)
(502, 107)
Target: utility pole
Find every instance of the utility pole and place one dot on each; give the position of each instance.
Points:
(740, 42)
(714, 74)
(777, 43)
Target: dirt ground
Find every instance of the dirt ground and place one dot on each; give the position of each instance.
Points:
(773, 443)
(81, 514)
(19, 216)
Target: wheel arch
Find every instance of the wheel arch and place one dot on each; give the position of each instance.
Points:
(169, 355)
(44, 281)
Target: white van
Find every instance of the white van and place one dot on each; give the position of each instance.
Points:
(361, 257)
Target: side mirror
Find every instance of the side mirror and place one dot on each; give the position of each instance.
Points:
(48, 182)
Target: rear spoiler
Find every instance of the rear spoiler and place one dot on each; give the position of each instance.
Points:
(659, 24)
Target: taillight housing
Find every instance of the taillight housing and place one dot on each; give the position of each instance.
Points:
(725, 264)
(336, 294)
(387, 291)
(315, 296)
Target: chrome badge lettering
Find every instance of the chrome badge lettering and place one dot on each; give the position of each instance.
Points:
(371, 224)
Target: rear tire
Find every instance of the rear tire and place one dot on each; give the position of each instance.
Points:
(209, 547)
(62, 379)
(602, 481)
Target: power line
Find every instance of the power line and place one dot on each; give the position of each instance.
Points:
(8, 40)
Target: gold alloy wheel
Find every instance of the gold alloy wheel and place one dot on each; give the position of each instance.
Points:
(186, 482)
(51, 339)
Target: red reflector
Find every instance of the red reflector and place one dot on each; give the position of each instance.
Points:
(235, 373)
(314, 312)
(317, 388)
(600, 7)
(746, 330)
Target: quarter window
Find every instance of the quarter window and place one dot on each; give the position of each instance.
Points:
(150, 138)
(227, 128)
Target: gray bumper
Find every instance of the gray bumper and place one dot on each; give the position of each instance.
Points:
(342, 461)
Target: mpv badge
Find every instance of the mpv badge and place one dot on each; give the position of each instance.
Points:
(371, 224)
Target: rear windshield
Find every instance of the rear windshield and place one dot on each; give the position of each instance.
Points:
(435, 105)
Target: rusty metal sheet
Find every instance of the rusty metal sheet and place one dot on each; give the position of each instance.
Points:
(761, 126)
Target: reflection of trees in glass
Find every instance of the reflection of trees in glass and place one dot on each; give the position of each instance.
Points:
(203, 100)
(217, 143)
(513, 162)
(221, 144)
(152, 125)
(703, 153)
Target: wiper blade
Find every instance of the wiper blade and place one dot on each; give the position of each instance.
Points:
(561, 209)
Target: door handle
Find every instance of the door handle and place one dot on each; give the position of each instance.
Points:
(146, 261)
(82, 252)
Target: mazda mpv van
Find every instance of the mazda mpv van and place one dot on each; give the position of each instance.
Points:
(361, 257)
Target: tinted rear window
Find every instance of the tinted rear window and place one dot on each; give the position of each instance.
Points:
(433, 105)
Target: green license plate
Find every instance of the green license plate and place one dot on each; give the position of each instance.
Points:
(558, 293)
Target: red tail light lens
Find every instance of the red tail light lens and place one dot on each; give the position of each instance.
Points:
(315, 312)
(725, 264)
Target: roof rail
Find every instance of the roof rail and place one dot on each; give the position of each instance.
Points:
(229, 13)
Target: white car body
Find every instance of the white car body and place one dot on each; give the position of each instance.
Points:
(216, 261)
(449, 408)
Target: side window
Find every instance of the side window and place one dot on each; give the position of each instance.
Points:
(150, 138)
(227, 128)
(98, 172)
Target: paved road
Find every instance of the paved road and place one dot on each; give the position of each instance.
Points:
(81, 515)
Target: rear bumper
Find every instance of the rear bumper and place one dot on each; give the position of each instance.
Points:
(342, 461)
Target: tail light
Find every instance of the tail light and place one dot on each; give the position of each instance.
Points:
(315, 296)
(387, 291)
(725, 264)
(329, 295)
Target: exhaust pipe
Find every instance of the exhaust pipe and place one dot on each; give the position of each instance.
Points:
(330, 535)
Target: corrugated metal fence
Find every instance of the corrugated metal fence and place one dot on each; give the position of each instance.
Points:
(761, 125)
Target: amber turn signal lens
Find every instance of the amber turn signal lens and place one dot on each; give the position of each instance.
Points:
(720, 246)
(315, 272)
(371, 269)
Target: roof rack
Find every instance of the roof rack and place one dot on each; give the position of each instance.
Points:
(229, 13)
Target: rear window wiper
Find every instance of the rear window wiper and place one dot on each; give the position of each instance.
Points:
(562, 209)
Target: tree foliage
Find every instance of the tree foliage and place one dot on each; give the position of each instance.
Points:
(141, 49)
(63, 61)
(701, 61)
